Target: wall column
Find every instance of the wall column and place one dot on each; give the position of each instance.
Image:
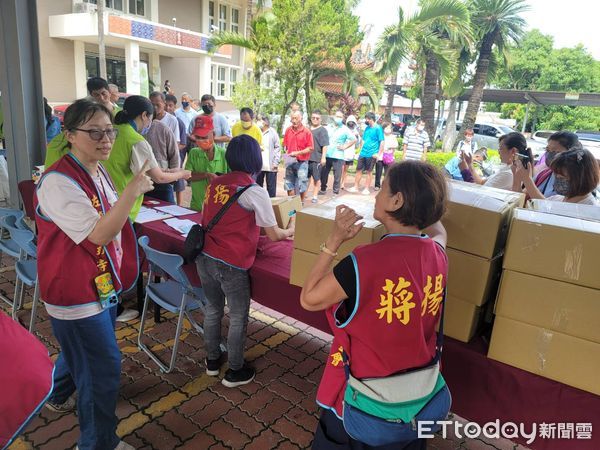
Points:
(80, 72)
(204, 78)
(154, 70)
(132, 67)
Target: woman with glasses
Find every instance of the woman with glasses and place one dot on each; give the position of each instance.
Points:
(131, 150)
(86, 257)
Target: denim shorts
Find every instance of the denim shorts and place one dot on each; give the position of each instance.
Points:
(296, 177)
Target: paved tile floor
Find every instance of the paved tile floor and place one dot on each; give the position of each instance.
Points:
(187, 409)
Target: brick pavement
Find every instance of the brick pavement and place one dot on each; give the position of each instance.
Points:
(187, 409)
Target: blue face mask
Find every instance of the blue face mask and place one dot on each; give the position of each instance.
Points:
(185, 104)
(338, 121)
(145, 130)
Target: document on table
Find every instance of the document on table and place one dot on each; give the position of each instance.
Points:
(182, 226)
(150, 215)
(175, 210)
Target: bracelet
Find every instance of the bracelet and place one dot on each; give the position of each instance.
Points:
(325, 250)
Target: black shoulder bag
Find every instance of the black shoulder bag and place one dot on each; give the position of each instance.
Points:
(194, 242)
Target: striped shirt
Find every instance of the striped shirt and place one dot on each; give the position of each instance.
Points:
(416, 143)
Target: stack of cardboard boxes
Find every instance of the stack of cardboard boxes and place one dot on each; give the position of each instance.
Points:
(285, 208)
(314, 224)
(477, 223)
(548, 307)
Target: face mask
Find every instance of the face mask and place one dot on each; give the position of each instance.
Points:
(561, 186)
(550, 157)
(185, 104)
(420, 128)
(207, 109)
(468, 138)
(387, 131)
(246, 124)
(338, 121)
(145, 130)
(260, 124)
(205, 144)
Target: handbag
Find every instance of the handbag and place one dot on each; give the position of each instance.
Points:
(386, 410)
(388, 158)
(194, 242)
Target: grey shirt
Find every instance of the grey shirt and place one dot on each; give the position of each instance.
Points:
(220, 123)
(164, 145)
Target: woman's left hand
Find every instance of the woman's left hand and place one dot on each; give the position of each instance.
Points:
(345, 226)
(519, 171)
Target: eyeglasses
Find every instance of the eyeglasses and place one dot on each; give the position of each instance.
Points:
(315, 118)
(98, 135)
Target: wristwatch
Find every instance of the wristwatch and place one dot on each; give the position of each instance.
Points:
(324, 249)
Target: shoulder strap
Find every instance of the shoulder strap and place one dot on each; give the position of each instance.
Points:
(225, 207)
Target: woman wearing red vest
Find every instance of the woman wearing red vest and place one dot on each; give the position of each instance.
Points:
(229, 252)
(87, 254)
(383, 301)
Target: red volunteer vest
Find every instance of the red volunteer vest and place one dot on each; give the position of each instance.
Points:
(66, 271)
(234, 238)
(400, 287)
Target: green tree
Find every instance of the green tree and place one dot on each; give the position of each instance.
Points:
(496, 23)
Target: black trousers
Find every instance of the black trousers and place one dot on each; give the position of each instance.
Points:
(271, 181)
(380, 168)
(331, 435)
(337, 165)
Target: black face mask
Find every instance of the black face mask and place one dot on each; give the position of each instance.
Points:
(207, 109)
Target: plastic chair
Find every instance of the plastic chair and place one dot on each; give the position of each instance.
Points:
(25, 267)
(176, 295)
(8, 245)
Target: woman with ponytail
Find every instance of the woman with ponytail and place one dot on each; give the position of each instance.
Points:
(131, 150)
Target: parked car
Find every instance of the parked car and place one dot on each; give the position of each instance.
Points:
(59, 110)
(542, 135)
(487, 134)
(591, 141)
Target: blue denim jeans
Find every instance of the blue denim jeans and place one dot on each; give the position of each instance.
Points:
(90, 362)
(296, 177)
(221, 281)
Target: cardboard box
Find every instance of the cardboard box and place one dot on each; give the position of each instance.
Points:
(461, 319)
(472, 278)
(285, 208)
(314, 224)
(553, 355)
(587, 212)
(563, 307)
(556, 247)
(302, 263)
(477, 219)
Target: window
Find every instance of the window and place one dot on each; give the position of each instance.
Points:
(235, 20)
(233, 75)
(211, 16)
(137, 7)
(222, 17)
(222, 71)
(112, 4)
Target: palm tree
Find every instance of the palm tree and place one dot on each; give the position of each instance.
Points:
(446, 29)
(391, 50)
(495, 24)
(258, 41)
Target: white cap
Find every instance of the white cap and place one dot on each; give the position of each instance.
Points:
(351, 119)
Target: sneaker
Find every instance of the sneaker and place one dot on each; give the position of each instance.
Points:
(343, 188)
(322, 192)
(366, 191)
(213, 366)
(377, 188)
(235, 378)
(62, 408)
(314, 200)
(127, 315)
(353, 189)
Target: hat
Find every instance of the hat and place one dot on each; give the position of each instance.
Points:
(351, 119)
(203, 125)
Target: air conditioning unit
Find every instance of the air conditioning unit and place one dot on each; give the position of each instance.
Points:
(83, 7)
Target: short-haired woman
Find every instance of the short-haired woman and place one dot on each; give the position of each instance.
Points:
(229, 252)
(383, 301)
(558, 142)
(86, 257)
(576, 177)
(131, 150)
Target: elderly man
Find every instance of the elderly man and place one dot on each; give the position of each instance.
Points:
(298, 144)
(246, 126)
(160, 113)
(98, 90)
(114, 93)
(341, 139)
(186, 113)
